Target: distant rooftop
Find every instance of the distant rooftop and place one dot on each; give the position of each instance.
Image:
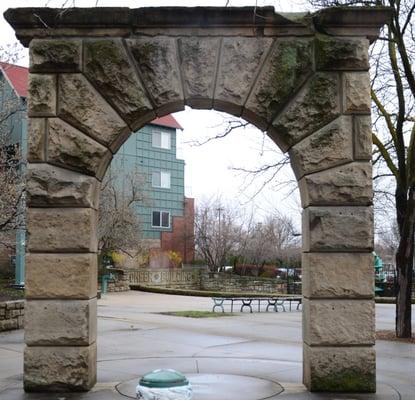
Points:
(18, 78)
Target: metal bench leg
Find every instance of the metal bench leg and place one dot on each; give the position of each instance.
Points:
(246, 303)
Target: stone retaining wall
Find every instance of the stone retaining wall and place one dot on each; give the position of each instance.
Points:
(200, 280)
(235, 283)
(11, 315)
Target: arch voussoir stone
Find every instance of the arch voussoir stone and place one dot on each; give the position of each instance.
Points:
(157, 60)
(286, 69)
(109, 68)
(82, 106)
(317, 104)
(198, 63)
(234, 83)
(95, 78)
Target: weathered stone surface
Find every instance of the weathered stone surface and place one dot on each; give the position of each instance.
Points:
(68, 276)
(71, 148)
(83, 107)
(158, 64)
(362, 137)
(233, 82)
(330, 146)
(48, 185)
(42, 95)
(334, 275)
(287, 68)
(349, 184)
(340, 369)
(356, 92)
(315, 106)
(55, 230)
(344, 54)
(60, 322)
(338, 322)
(36, 138)
(59, 369)
(107, 66)
(337, 229)
(55, 55)
(198, 57)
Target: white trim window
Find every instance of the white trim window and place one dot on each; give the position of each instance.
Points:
(160, 219)
(161, 139)
(160, 179)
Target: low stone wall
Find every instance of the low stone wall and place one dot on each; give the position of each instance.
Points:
(120, 282)
(201, 280)
(11, 315)
(235, 283)
(170, 278)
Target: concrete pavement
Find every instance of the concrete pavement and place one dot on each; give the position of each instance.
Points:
(245, 357)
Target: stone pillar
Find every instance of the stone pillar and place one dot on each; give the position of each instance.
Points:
(336, 187)
(61, 274)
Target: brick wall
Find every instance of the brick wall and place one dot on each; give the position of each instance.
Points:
(11, 315)
(181, 238)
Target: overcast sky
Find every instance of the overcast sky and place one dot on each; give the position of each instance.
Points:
(209, 168)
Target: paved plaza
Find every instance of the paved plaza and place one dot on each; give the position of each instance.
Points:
(245, 357)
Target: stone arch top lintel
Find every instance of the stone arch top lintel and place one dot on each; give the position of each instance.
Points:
(32, 23)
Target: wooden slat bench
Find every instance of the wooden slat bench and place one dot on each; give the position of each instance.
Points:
(274, 302)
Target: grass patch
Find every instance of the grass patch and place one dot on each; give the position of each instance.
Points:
(9, 293)
(198, 314)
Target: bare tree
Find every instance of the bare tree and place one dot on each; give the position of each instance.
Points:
(12, 162)
(270, 241)
(217, 233)
(118, 223)
(393, 95)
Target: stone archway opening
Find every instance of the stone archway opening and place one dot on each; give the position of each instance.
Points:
(98, 74)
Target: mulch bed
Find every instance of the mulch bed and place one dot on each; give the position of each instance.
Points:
(390, 335)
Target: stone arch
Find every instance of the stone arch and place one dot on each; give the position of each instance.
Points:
(98, 74)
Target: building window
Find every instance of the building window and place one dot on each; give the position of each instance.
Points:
(161, 140)
(161, 179)
(160, 219)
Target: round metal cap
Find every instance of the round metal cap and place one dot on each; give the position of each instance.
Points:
(163, 378)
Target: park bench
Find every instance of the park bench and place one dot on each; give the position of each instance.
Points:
(271, 302)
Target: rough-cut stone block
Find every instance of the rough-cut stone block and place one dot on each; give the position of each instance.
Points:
(48, 185)
(71, 148)
(83, 107)
(362, 137)
(36, 138)
(42, 95)
(339, 369)
(60, 322)
(335, 53)
(337, 229)
(198, 57)
(287, 68)
(330, 146)
(315, 106)
(356, 92)
(108, 67)
(55, 55)
(338, 322)
(158, 64)
(68, 276)
(334, 275)
(59, 369)
(349, 184)
(234, 83)
(55, 230)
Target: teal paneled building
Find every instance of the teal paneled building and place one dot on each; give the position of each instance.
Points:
(152, 151)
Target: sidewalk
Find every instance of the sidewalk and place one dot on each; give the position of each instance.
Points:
(244, 357)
